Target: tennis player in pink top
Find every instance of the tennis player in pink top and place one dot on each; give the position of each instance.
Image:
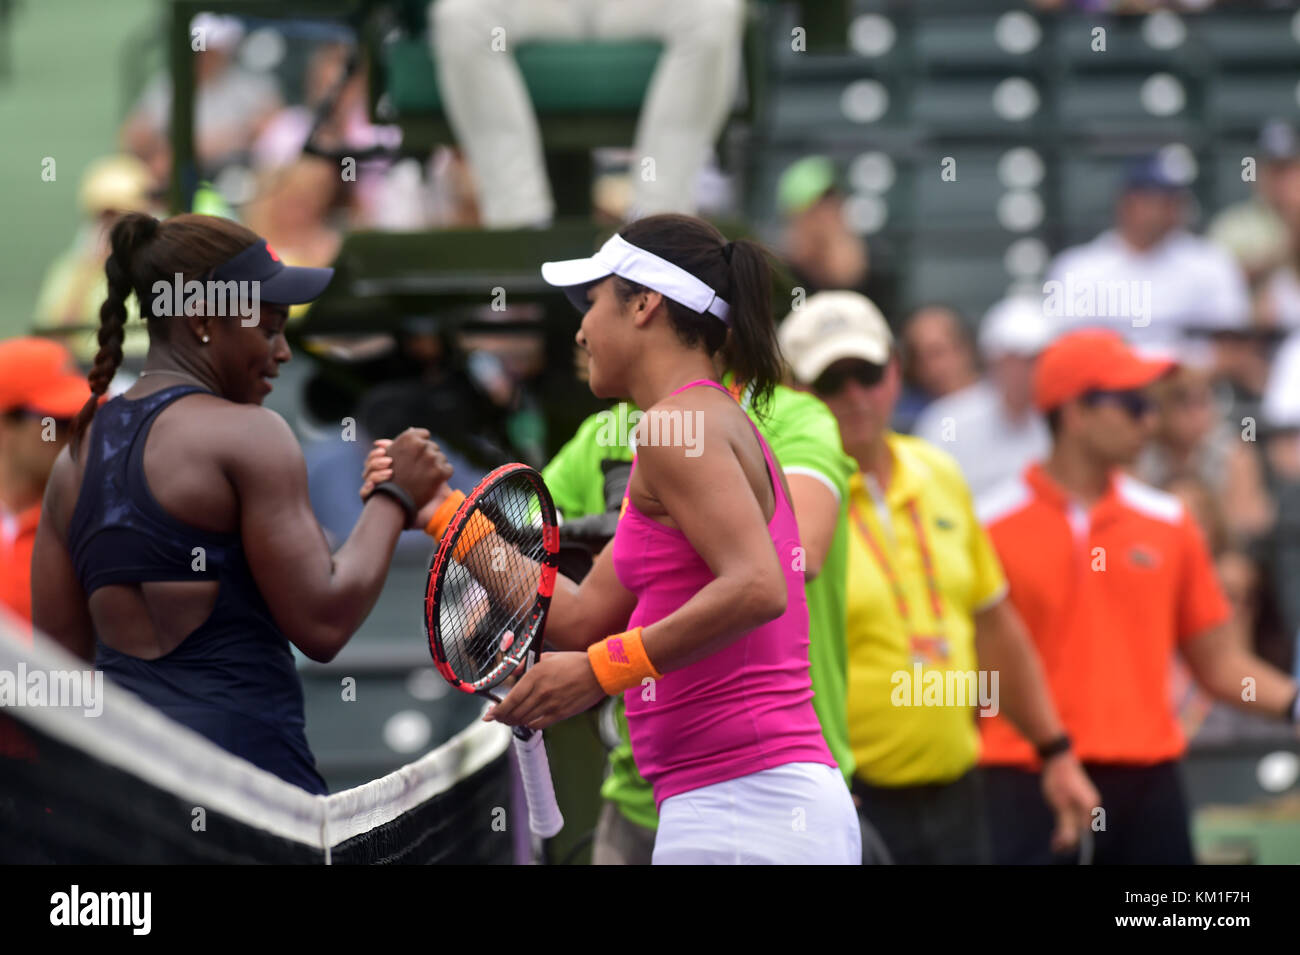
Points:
(702, 586)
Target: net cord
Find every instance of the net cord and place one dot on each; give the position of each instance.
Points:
(137, 739)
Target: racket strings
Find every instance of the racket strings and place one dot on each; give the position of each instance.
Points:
(508, 614)
(486, 619)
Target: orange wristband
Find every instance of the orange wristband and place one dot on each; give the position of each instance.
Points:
(476, 528)
(620, 662)
(443, 515)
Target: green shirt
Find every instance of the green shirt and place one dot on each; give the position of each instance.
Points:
(805, 439)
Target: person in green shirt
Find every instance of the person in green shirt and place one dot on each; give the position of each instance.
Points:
(805, 439)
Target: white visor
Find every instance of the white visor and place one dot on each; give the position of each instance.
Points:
(622, 258)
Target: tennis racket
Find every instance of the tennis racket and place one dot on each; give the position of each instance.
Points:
(490, 586)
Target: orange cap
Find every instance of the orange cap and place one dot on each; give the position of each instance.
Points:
(40, 374)
(1087, 360)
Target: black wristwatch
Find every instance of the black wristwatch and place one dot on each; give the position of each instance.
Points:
(398, 494)
(1053, 747)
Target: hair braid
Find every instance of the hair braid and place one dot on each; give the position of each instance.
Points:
(130, 232)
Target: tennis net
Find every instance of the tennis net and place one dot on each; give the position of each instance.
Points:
(90, 774)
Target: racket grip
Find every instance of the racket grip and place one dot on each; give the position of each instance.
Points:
(543, 811)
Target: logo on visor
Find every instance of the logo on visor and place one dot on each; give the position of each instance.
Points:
(271, 252)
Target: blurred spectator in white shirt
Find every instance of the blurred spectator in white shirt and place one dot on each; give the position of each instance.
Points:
(991, 427)
(1280, 309)
(232, 104)
(1282, 396)
(1281, 418)
(938, 359)
(1148, 278)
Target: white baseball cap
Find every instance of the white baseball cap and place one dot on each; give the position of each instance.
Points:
(620, 257)
(1015, 326)
(831, 326)
(216, 32)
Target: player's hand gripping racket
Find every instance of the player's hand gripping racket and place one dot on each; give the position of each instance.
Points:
(490, 586)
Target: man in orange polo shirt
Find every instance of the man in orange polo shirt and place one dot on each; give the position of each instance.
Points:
(1111, 576)
(40, 392)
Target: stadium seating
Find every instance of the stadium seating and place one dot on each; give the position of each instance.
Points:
(917, 81)
(972, 80)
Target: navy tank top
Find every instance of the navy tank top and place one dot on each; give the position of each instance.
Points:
(233, 679)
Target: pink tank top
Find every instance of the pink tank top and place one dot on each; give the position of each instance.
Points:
(747, 707)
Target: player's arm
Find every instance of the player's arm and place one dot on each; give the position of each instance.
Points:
(1003, 646)
(580, 614)
(1218, 658)
(59, 607)
(818, 513)
(1223, 668)
(710, 500)
(317, 598)
(586, 613)
(806, 440)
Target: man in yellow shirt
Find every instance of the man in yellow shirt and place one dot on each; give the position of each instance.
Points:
(932, 639)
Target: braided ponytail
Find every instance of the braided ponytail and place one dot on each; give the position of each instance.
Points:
(130, 233)
(145, 252)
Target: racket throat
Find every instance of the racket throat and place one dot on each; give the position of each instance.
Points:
(522, 733)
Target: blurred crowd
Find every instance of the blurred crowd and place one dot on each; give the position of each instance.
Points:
(1223, 301)
(1225, 427)
(279, 110)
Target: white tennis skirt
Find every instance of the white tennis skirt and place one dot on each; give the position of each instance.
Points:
(796, 814)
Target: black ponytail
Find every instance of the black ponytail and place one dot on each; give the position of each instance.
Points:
(741, 274)
(751, 350)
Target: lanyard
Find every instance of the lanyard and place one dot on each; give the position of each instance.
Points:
(932, 584)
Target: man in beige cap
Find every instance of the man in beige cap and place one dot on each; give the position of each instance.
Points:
(74, 285)
(930, 633)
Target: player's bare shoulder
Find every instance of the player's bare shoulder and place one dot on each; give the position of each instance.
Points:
(61, 490)
(684, 425)
(240, 436)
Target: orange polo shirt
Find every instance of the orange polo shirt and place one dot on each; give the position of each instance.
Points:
(17, 537)
(1108, 594)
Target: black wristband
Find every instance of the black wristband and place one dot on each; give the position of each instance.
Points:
(399, 495)
(1053, 747)
(1293, 710)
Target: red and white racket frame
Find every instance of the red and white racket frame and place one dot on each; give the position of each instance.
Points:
(546, 585)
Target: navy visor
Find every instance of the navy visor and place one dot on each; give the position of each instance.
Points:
(279, 284)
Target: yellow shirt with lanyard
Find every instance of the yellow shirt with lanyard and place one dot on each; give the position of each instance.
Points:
(920, 567)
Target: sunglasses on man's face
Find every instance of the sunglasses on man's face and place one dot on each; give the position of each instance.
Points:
(1135, 403)
(31, 414)
(832, 381)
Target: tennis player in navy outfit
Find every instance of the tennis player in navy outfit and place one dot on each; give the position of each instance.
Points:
(177, 546)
